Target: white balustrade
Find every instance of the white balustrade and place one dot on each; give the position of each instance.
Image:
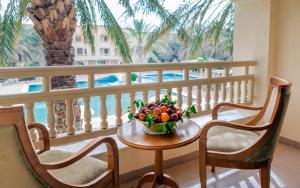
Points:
(104, 123)
(30, 120)
(70, 117)
(242, 91)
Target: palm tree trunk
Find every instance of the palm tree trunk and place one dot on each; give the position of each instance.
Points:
(55, 21)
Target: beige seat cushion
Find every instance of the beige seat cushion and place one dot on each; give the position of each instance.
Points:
(80, 172)
(226, 139)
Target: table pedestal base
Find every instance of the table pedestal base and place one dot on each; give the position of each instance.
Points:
(158, 177)
(157, 180)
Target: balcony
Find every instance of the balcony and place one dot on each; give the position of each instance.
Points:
(103, 104)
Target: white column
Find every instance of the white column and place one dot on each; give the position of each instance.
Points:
(70, 117)
(30, 120)
(87, 114)
(104, 123)
(51, 119)
(118, 109)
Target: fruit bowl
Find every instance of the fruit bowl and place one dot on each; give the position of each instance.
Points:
(160, 116)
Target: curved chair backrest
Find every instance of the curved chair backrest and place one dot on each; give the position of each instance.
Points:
(19, 164)
(273, 113)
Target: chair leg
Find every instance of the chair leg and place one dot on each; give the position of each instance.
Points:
(265, 176)
(213, 169)
(202, 172)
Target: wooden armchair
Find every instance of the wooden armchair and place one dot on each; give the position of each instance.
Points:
(22, 166)
(245, 146)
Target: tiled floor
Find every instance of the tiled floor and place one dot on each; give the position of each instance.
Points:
(285, 173)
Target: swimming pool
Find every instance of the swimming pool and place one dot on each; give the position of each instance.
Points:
(40, 109)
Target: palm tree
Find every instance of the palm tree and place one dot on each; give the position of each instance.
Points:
(137, 36)
(195, 22)
(28, 47)
(55, 22)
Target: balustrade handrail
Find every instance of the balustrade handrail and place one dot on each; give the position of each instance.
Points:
(208, 90)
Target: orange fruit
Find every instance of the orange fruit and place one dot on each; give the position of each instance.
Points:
(165, 117)
(163, 109)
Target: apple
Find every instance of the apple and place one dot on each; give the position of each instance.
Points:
(142, 116)
(157, 111)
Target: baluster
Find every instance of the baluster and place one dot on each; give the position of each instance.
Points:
(145, 97)
(245, 85)
(231, 91)
(216, 94)
(51, 119)
(223, 88)
(103, 112)
(189, 96)
(30, 120)
(179, 97)
(132, 98)
(245, 91)
(118, 109)
(169, 93)
(252, 91)
(207, 92)
(199, 98)
(238, 92)
(157, 94)
(207, 96)
(70, 117)
(87, 114)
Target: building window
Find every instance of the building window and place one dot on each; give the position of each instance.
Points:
(78, 38)
(79, 51)
(103, 38)
(79, 63)
(101, 62)
(85, 51)
(104, 51)
(93, 52)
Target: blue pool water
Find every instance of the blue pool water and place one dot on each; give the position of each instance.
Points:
(40, 109)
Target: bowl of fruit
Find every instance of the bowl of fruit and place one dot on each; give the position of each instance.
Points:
(161, 116)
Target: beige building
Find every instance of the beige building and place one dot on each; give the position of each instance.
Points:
(105, 51)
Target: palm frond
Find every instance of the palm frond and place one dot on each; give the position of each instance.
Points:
(114, 30)
(11, 23)
(152, 6)
(128, 9)
(87, 19)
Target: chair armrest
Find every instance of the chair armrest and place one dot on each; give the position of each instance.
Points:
(112, 151)
(207, 126)
(240, 106)
(43, 135)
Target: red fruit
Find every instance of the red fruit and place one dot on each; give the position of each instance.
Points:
(157, 119)
(179, 113)
(157, 111)
(174, 117)
(164, 109)
(142, 116)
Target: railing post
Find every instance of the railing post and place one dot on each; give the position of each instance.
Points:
(189, 96)
(231, 91)
(207, 92)
(223, 90)
(145, 96)
(91, 81)
(169, 93)
(159, 80)
(131, 94)
(30, 120)
(51, 119)
(87, 114)
(179, 97)
(199, 98)
(245, 90)
(238, 93)
(46, 84)
(104, 123)
(216, 94)
(70, 117)
(119, 120)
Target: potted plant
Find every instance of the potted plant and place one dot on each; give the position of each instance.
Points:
(160, 116)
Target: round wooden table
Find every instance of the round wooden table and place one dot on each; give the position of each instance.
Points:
(132, 134)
